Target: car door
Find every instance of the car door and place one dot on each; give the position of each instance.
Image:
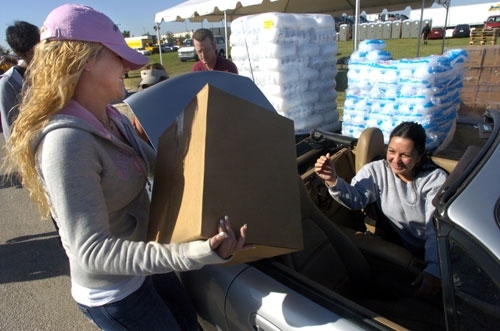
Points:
(244, 297)
(468, 228)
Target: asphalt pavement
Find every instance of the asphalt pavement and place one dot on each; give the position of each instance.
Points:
(34, 272)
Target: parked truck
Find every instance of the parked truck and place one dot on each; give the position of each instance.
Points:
(474, 14)
(142, 42)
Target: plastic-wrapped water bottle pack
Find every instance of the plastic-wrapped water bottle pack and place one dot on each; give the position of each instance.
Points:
(383, 92)
(291, 58)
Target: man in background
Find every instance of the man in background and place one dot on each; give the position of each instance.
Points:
(425, 33)
(205, 47)
(22, 38)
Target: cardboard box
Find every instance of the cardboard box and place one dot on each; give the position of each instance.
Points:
(491, 56)
(227, 156)
(479, 76)
(471, 76)
(468, 94)
(490, 76)
(489, 93)
(476, 55)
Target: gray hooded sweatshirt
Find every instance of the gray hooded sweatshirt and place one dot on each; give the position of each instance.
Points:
(95, 184)
(407, 205)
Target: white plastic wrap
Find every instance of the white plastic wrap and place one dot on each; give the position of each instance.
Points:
(383, 93)
(292, 59)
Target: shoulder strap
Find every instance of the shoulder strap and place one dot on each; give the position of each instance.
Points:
(18, 74)
(20, 70)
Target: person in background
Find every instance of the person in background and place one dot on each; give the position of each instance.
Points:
(209, 60)
(22, 38)
(425, 33)
(151, 74)
(7, 62)
(405, 176)
(84, 164)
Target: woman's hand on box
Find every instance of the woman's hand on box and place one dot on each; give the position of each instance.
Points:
(226, 243)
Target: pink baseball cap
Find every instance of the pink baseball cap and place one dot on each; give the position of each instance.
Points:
(77, 22)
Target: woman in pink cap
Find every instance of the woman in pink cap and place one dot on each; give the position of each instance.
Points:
(85, 166)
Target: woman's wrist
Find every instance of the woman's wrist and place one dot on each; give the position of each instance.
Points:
(331, 183)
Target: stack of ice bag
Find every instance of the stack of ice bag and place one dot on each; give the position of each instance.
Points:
(291, 58)
(383, 92)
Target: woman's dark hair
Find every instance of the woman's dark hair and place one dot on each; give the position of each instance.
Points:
(413, 131)
(22, 36)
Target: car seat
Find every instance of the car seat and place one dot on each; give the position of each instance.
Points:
(370, 147)
(329, 257)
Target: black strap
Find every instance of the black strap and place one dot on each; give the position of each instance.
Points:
(20, 70)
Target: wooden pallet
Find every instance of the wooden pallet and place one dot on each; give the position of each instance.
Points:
(484, 37)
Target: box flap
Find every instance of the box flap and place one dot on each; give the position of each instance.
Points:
(157, 106)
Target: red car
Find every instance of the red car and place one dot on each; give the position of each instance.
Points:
(492, 22)
(436, 33)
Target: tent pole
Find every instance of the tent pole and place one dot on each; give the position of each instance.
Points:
(356, 26)
(447, 5)
(225, 33)
(420, 28)
(159, 41)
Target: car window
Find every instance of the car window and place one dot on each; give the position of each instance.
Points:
(477, 297)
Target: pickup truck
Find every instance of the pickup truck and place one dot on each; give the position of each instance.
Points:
(492, 21)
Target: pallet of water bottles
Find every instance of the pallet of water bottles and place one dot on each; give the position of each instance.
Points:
(383, 92)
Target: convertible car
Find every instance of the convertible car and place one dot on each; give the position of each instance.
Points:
(346, 278)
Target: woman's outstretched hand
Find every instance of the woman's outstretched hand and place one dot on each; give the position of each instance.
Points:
(226, 243)
(325, 170)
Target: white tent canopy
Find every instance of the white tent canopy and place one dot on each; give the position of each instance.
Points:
(228, 10)
(216, 10)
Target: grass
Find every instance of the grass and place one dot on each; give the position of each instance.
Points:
(407, 48)
(399, 48)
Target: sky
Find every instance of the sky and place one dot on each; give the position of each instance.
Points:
(136, 16)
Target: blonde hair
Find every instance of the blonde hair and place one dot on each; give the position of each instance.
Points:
(51, 79)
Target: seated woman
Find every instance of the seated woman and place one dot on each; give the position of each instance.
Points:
(403, 186)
